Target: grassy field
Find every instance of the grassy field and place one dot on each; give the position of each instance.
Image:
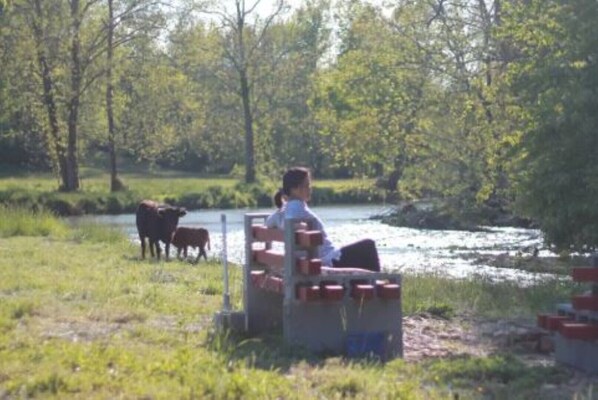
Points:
(81, 316)
(39, 190)
(145, 182)
(97, 181)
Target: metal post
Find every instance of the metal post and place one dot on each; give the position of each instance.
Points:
(594, 263)
(226, 299)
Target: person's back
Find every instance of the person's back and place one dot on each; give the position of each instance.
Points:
(276, 219)
(298, 209)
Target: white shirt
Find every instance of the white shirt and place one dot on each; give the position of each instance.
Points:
(298, 209)
(276, 220)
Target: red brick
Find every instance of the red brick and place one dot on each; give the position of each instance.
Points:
(264, 234)
(389, 291)
(362, 291)
(309, 266)
(309, 238)
(585, 302)
(553, 322)
(584, 274)
(308, 293)
(579, 331)
(332, 292)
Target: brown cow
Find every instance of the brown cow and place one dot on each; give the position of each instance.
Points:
(193, 237)
(157, 222)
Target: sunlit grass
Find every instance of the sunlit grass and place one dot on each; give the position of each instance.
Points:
(155, 181)
(185, 189)
(481, 296)
(17, 221)
(81, 316)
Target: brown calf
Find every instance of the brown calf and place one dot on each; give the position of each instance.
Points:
(193, 237)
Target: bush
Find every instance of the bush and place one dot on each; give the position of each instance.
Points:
(114, 205)
(61, 206)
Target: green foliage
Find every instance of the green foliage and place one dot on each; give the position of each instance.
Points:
(556, 80)
(479, 106)
(170, 187)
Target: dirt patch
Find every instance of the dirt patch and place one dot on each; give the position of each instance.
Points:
(92, 329)
(429, 337)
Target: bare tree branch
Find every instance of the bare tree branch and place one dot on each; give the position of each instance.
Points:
(271, 17)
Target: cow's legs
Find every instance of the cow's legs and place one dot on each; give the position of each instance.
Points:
(142, 247)
(158, 249)
(167, 250)
(202, 252)
(151, 247)
(178, 252)
(185, 250)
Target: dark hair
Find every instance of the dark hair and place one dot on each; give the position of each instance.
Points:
(293, 178)
(278, 199)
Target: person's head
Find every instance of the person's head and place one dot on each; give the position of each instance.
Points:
(296, 183)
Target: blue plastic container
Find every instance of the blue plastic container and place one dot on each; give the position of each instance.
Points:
(365, 344)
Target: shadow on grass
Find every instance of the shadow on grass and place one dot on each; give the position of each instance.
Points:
(266, 352)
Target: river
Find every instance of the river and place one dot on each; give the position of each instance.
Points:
(401, 249)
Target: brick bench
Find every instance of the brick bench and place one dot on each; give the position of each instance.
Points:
(575, 325)
(321, 308)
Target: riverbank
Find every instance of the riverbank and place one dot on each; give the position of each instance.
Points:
(38, 190)
(436, 215)
(82, 316)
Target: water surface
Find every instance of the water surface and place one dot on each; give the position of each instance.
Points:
(401, 249)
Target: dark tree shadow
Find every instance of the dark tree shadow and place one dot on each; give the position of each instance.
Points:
(269, 352)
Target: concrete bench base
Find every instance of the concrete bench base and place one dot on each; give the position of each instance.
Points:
(353, 312)
(580, 354)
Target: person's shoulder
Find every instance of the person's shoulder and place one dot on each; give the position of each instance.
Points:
(294, 204)
(293, 207)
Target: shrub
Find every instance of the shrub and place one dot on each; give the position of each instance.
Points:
(114, 205)
(62, 207)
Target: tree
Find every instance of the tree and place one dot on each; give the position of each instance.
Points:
(241, 39)
(555, 78)
(126, 11)
(62, 63)
(370, 101)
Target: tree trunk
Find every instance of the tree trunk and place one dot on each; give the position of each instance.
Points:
(49, 100)
(248, 118)
(115, 184)
(72, 183)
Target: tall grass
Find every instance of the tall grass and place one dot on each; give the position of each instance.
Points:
(481, 296)
(19, 221)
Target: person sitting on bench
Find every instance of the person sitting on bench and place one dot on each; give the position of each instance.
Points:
(296, 186)
(276, 219)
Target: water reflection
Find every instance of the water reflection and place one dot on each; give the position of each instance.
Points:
(404, 249)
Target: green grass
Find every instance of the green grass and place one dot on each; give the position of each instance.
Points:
(480, 296)
(37, 191)
(15, 221)
(81, 316)
(154, 182)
